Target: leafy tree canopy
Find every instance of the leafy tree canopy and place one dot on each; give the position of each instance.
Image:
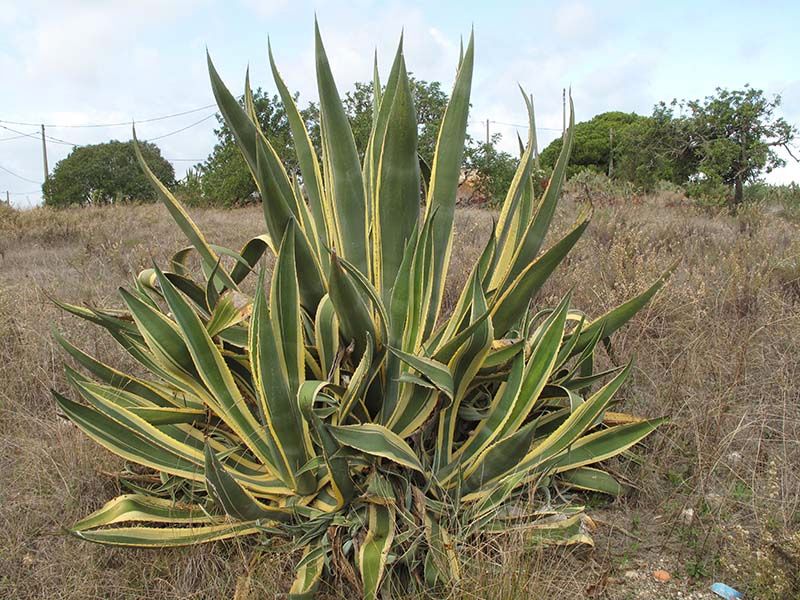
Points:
(105, 173)
(592, 141)
(726, 139)
(736, 133)
(493, 169)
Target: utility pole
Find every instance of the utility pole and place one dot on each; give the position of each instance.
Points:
(8, 198)
(563, 113)
(44, 155)
(610, 151)
(487, 132)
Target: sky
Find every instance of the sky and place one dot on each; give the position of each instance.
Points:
(74, 63)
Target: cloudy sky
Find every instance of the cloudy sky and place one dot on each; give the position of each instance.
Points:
(87, 62)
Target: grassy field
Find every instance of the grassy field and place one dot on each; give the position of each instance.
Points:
(717, 492)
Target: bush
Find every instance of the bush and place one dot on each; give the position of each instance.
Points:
(104, 174)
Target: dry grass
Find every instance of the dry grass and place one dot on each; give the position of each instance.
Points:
(719, 490)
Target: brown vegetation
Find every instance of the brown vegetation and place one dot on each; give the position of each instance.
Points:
(718, 351)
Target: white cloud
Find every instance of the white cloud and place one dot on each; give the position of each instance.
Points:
(574, 19)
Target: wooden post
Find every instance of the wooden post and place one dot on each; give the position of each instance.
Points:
(563, 113)
(44, 155)
(8, 198)
(487, 132)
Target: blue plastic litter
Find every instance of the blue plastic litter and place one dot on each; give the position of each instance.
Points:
(726, 591)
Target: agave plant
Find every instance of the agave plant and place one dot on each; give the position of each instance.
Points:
(341, 414)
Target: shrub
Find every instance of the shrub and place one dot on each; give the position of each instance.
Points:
(341, 415)
(105, 173)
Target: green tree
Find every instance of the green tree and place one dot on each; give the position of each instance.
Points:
(105, 173)
(493, 169)
(736, 133)
(656, 148)
(592, 149)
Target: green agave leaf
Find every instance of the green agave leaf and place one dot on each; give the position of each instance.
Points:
(112, 376)
(225, 399)
(309, 573)
(231, 309)
(343, 171)
(116, 437)
(285, 312)
(498, 459)
(397, 191)
(592, 480)
(464, 365)
(569, 432)
(376, 440)
(269, 174)
(515, 299)
(307, 159)
(445, 174)
(338, 468)
(326, 335)
(534, 236)
(539, 368)
(250, 254)
(273, 388)
(439, 374)
(233, 498)
(161, 415)
(367, 290)
(137, 507)
(359, 381)
(605, 444)
(514, 217)
(355, 317)
(374, 551)
(381, 111)
(167, 537)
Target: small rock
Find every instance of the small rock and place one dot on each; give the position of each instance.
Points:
(662, 576)
(687, 515)
(715, 501)
(631, 574)
(735, 458)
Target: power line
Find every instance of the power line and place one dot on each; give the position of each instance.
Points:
(119, 124)
(16, 137)
(60, 141)
(161, 137)
(73, 144)
(21, 133)
(10, 172)
(35, 136)
(524, 126)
